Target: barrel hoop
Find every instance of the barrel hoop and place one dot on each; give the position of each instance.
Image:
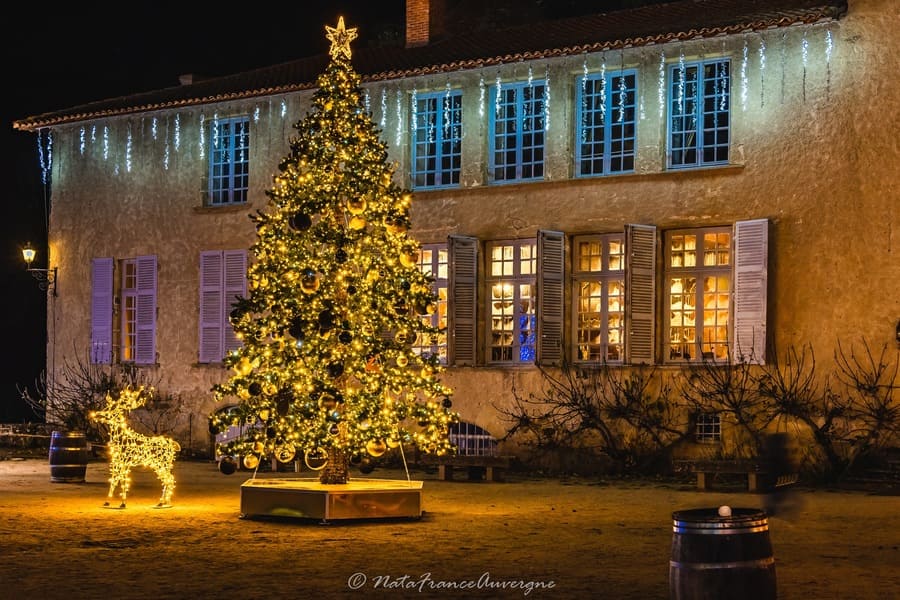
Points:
(747, 564)
(77, 465)
(693, 529)
(71, 448)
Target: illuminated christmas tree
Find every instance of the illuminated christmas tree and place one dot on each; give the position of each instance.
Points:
(337, 305)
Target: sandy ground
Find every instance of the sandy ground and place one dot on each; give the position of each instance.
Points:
(583, 537)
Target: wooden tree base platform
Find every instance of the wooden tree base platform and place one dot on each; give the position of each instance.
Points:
(310, 499)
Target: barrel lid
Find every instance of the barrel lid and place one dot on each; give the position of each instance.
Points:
(709, 520)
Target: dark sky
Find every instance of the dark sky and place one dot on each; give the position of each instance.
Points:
(58, 56)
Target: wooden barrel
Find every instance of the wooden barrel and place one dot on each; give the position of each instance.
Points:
(721, 557)
(68, 457)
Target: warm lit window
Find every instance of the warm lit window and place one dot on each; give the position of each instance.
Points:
(708, 427)
(437, 139)
(699, 107)
(138, 310)
(698, 290)
(599, 321)
(433, 262)
(229, 160)
(517, 131)
(606, 124)
(511, 279)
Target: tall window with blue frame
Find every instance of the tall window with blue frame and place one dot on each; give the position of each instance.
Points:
(699, 113)
(517, 131)
(437, 139)
(229, 161)
(607, 125)
(511, 281)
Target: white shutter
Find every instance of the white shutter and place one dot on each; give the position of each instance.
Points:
(751, 247)
(145, 317)
(101, 310)
(551, 253)
(210, 307)
(640, 293)
(462, 299)
(235, 287)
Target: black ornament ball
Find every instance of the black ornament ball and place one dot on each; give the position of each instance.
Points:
(326, 320)
(366, 466)
(296, 329)
(345, 337)
(447, 403)
(227, 466)
(335, 369)
(351, 289)
(255, 389)
(340, 256)
(301, 221)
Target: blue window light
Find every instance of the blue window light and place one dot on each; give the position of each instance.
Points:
(699, 113)
(229, 161)
(606, 130)
(517, 132)
(437, 140)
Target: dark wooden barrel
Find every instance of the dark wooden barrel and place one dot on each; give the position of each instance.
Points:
(68, 457)
(721, 557)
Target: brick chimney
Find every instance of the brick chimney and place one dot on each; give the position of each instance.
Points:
(424, 21)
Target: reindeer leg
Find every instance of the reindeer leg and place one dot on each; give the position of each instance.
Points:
(168, 483)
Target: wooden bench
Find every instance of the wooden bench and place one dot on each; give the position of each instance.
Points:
(487, 468)
(755, 471)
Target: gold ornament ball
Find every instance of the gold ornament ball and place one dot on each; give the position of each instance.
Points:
(376, 448)
(356, 206)
(409, 258)
(402, 361)
(251, 461)
(309, 283)
(357, 223)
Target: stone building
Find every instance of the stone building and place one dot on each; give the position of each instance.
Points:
(668, 184)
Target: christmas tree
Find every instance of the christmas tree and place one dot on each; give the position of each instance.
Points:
(328, 369)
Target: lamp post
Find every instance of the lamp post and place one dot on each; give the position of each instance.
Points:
(46, 278)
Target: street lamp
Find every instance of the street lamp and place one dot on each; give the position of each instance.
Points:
(46, 278)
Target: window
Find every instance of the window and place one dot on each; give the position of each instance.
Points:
(223, 279)
(433, 262)
(698, 288)
(437, 140)
(138, 310)
(517, 132)
(699, 107)
(708, 427)
(599, 319)
(606, 124)
(511, 308)
(229, 161)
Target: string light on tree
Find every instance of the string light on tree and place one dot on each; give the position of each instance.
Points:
(335, 299)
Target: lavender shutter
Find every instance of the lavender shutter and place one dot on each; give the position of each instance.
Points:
(145, 345)
(551, 253)
(751, 241)
(640, 293)
(462, 299)
(235, 276)
(101, 310)
(210, 307)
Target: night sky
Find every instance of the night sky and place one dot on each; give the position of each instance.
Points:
(59, 56)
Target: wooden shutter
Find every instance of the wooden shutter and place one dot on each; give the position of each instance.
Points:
(751, 247)
(462, 299)
(549, 293)
(101, 310)
(640, 293)
(235, 286)
(211, 307)
(145, 346)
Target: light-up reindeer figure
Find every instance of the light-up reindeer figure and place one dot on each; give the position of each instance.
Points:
(128, 448)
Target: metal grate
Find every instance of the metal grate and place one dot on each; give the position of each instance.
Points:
(472, 440)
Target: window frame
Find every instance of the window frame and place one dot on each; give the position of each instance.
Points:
(226, 186)
(446, 145)
(610, 96)
(705, 110)
(513, 169)
(438, 268)
(516, 279)
(137, 305)
(699, 272)
(605, 276)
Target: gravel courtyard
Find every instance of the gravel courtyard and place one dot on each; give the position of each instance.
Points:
(526, 537)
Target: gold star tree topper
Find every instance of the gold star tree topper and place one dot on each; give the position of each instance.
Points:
(340, 39)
